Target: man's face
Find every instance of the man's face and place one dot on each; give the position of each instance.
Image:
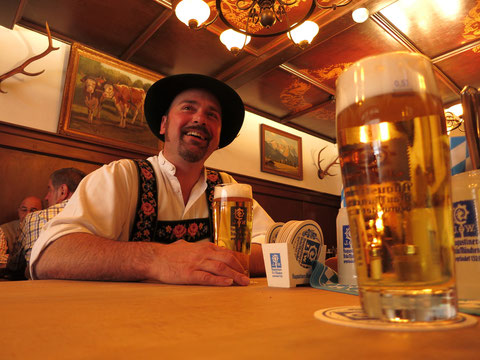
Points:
(28, 205)
(53, 195)
(192, 126)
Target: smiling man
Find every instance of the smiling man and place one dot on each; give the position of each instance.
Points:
(151, 219)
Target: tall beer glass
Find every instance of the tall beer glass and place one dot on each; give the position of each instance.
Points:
(395, 161)
(232, 219)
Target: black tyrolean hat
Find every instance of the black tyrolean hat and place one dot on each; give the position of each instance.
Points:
(161, 94)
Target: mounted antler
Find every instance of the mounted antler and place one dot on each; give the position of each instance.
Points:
(323, 173)
(21, 69)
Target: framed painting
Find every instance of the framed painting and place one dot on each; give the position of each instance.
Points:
(281, 153)
(103, 101)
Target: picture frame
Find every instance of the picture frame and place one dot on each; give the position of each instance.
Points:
(103, 101)
(281, 153)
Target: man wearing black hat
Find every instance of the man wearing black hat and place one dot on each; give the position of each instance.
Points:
(148, 220)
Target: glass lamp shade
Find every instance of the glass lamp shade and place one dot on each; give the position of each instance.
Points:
(303, 35)
(360, 15)
(233, 40)
(192, 12)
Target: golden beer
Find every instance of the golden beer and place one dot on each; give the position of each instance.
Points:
(232, 219)
(395, 161)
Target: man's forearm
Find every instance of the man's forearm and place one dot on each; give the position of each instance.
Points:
(88, 257)
(81, 256)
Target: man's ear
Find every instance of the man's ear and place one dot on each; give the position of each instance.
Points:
(163, 125)
(63, 192)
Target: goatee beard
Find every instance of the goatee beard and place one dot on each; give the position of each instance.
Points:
(191, 156)
(199, 154)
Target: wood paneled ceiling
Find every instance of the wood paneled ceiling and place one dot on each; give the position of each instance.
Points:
(274, 78)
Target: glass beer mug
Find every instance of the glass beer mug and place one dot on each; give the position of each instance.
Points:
(395, 161)
(232, 219)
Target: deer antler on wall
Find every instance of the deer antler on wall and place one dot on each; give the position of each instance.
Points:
(21, 69)
(322, 173)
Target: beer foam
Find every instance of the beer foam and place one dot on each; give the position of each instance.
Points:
(385, 74)
(232, 190)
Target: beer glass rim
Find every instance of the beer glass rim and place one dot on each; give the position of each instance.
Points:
(246, 188)
(396, 71)
(468, 173)
(385, 54)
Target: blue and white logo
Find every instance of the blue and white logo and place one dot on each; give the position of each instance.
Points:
(276, 264)
(464, 219)
(347, 239)
(310, 253)
(275, 261)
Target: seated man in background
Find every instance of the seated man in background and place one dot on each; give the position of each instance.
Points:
(117, 226)
(61, 185)
(9, 231)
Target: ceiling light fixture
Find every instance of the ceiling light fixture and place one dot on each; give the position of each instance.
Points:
(255, 18)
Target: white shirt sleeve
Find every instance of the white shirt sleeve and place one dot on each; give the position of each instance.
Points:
(103, 204)
(261, 220)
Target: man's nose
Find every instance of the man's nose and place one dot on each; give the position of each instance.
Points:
(200, 117)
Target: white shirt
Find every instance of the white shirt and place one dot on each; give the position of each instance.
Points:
(105, 201)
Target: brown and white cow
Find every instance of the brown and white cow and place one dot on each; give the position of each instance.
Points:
(125, 98)
(92, 89)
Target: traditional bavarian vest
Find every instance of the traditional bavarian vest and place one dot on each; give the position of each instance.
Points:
(146, 227)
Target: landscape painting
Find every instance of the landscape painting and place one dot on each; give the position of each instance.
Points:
(103, 101)
(281, 153)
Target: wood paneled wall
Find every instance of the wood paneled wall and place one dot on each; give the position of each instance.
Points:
(29, 156)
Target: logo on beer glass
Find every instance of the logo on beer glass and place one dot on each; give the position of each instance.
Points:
(464, 219)
(239, 216)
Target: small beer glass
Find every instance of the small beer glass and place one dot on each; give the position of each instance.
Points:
(232, 219)
(395, 161)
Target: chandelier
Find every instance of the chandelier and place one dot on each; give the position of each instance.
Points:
(240, 16)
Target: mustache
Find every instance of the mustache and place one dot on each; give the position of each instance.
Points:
(200, 128)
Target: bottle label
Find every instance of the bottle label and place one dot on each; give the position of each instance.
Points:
(465, 226)
(347, 245)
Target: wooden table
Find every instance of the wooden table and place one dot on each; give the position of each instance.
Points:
(105, 320)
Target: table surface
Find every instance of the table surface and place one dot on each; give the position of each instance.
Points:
(54, 319)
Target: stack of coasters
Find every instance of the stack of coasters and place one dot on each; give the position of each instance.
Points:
(272, 232)
(291, 250)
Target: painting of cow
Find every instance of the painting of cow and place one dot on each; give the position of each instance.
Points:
(92, 89)
(104, 99)
(126, 98)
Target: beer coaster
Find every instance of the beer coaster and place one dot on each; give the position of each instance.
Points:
(355, 317)
(307, 240)
(281, 237)
(272, 232)
(469, 306)
(288, 230)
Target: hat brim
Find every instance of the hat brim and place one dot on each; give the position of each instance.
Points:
(163, 92)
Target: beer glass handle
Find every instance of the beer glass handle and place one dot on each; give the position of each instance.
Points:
(471, 119)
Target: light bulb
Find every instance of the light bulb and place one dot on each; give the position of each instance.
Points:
(303, 35)
(233, 40)
(192, 13)
(360, 15)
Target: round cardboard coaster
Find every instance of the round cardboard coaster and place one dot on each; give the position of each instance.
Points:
(272, 232)
(282, 233)
(307, 240)
(355, 317)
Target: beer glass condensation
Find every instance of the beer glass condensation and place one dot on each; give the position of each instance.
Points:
(395, 161)
(232, 219)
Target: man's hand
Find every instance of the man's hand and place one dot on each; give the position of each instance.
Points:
(198, 263)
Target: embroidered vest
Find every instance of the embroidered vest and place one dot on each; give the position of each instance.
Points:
(147, 228)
